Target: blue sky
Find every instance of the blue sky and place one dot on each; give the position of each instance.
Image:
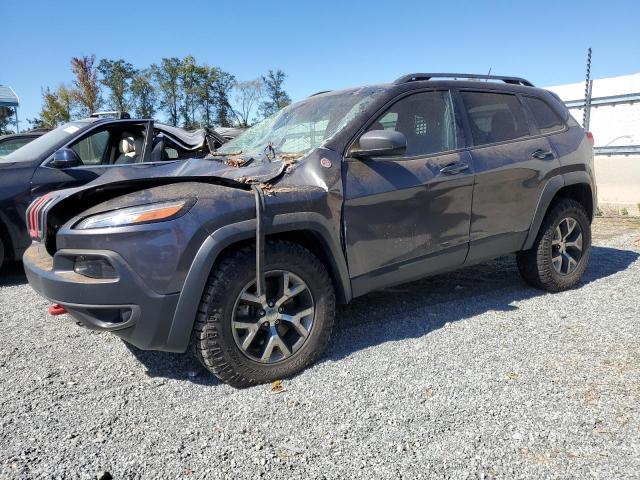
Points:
(321, 45)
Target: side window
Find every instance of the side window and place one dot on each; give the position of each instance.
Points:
(494, 117)
(91, 149)
(546, 119)
(426, 120)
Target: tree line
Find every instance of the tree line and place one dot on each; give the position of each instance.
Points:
(185, 92)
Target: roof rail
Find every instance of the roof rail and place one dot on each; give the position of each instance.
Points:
(319, 93)
(414, 77)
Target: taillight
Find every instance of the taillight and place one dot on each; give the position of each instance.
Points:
(590, 137)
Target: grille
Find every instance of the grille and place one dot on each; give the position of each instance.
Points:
(36, 216)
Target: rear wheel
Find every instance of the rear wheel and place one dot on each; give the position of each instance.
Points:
(561, 251)
(245, 339)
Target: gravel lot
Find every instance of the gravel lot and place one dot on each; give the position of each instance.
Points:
(465, 375)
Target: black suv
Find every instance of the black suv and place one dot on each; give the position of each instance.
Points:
(77, 153)
(243, 255)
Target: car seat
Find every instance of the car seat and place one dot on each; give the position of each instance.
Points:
(130, 149)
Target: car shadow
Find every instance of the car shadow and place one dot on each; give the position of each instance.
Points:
(174, 366)
(411, 310)
(12, 274)
(416, 309)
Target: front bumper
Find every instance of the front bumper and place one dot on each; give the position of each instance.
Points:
(124, 305)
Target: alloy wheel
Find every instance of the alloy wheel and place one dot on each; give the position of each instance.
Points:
(566, 246)
(274, 326)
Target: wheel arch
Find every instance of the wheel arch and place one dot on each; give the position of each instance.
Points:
(310, 233)
(575, 185)
(7, 242)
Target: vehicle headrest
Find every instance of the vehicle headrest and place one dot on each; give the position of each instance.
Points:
(127, 145)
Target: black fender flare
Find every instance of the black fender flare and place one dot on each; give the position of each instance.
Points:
(553, 186)
(7, 237)
(195, 281)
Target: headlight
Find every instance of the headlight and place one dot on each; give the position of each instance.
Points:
(152, 212)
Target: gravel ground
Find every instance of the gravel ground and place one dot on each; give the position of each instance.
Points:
(465, 375)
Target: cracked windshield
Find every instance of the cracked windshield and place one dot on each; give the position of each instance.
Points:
(297, 129)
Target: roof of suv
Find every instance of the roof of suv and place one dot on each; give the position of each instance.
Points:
(463, 80)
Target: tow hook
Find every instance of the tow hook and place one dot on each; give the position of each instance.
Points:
(56, 309)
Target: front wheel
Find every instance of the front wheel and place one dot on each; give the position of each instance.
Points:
(561, 251)
(244, 338)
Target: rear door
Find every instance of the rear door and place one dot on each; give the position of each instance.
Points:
(512, 161)
(407, 216)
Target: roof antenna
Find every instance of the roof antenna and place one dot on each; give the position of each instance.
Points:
(488, 74)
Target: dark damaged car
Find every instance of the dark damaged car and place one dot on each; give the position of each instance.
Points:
(244, 255)
(80, 151)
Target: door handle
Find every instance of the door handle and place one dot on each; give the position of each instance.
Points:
(454, 168)
(543, 154)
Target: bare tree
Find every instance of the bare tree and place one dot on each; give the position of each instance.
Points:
(87, 89)
(247, 97)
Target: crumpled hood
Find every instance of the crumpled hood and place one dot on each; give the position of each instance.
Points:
(122, 181)
(193, 168)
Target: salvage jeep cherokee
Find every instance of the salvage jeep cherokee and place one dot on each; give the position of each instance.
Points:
(244, 254)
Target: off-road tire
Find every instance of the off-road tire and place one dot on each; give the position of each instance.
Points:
(535, 264)
(212, 337)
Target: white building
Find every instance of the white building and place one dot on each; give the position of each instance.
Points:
(615, 124)
(615, 111)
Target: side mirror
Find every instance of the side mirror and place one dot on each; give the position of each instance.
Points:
(65, 158)
(381, 143)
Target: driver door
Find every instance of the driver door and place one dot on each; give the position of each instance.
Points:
(408, 216)
(98, 151)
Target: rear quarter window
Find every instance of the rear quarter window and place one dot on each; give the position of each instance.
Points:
(546, 119)
(494, 117)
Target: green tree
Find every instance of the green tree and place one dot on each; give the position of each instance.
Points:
(222, 88)
(35, 122)
(191, 78)
(144, 96)
(117, 76)
(7, 119)
(167, 76)
(207, 97)
(57, 106)
(86, 88)
(277, 98)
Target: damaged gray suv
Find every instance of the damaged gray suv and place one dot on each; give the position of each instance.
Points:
(243, 255)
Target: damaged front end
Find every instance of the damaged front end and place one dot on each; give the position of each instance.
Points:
(132, 251)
